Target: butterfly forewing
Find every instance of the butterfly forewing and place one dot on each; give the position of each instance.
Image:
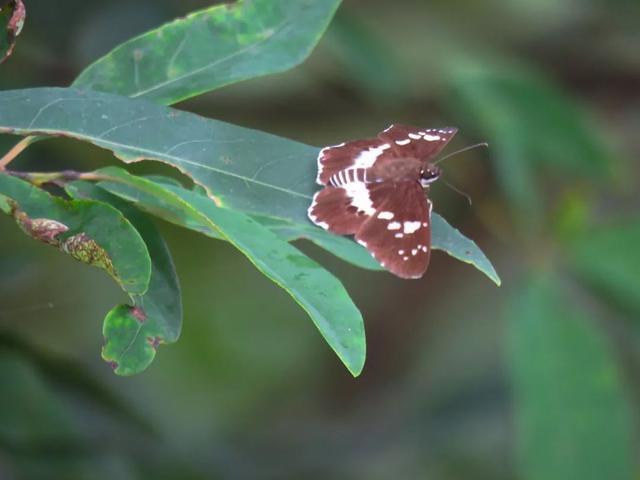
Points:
(412, 142)
(398, 142)
(355, 154)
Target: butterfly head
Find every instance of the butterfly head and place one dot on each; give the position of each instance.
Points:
(429, 174)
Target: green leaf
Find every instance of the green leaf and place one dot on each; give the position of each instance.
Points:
(320, 294)
(342, 247)
(91, 232)
(242, 169)
(12, 16)
(162, 198)
(607, 258)
(572, 418)
(458, 246)
(133, 333)
(156, 199)
(211, 48)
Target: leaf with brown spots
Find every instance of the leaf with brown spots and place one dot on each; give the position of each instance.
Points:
(133, 333)
(338, 320)
(90, 232)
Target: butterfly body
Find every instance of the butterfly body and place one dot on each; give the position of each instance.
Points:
(376, 189)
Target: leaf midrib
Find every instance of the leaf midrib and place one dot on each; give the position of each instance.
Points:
(199, 70)
(153, 155)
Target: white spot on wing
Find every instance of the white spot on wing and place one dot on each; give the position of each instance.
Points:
(394, 226)
(360, 197)
(431, 138)
(385, 215)
(411, 227)
(368, 157)
(404, 142)
(399, 235)
(414, 251)
(415, 136)
(400, 252)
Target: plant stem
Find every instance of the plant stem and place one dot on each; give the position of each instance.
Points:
(16, 150)
(40, 178)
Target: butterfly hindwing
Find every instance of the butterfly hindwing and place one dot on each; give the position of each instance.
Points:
(398, 234)
(336, 209)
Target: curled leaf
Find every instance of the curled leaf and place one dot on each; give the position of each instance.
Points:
(12, 17)
(133, 333)
(86, 249)
(90, 232)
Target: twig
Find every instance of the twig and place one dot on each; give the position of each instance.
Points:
(40, 178)
(15, 151)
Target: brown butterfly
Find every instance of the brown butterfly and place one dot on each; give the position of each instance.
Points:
(375, 189)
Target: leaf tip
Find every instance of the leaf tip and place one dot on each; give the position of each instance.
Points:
(355, 363)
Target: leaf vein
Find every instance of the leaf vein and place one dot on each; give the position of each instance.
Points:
(197, 71)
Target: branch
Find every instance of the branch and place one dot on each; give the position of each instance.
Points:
(16, 150)
(40, 178)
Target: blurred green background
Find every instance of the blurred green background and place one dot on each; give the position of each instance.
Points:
(534, 380)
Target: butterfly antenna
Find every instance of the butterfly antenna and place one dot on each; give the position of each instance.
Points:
(457, 190)
(482, 144)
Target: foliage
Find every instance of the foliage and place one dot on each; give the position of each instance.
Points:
(536, 380)
(12, 16)
(243, 171)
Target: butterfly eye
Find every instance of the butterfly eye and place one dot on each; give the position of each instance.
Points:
(428, 174)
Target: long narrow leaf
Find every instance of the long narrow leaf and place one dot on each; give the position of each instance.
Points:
(318, 292)
(240, 168)
(572, 418)
(206, 50)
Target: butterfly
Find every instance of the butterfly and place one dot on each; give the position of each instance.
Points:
(376, 189)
